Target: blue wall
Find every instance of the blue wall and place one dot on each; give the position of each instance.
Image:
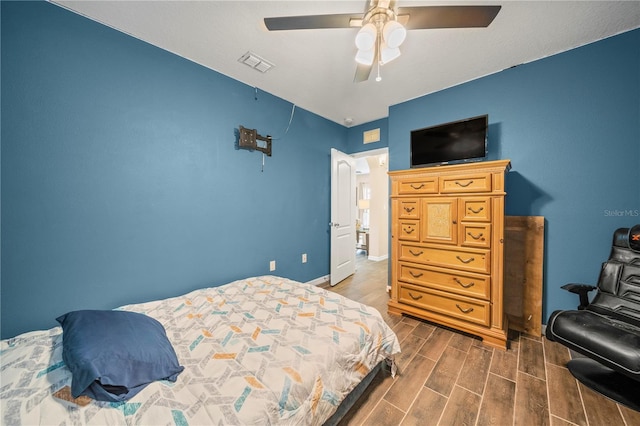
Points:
(570, 124)
(121, 181)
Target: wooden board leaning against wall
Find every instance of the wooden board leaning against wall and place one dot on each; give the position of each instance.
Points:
(524, 254)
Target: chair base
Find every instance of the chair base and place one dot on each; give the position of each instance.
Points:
(610, 383)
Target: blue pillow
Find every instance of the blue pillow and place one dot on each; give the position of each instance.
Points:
(113, 355)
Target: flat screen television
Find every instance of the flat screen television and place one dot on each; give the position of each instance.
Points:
(450, 143)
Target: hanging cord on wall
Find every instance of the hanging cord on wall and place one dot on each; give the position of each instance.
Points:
(293, 110)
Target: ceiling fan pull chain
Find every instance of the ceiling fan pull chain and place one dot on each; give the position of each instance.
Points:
(378, 78)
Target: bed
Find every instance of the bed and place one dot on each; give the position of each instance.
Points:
(263, 350)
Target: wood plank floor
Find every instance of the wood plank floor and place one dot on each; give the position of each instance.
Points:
(449, 378)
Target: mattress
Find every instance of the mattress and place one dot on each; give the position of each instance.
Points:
(263, 350)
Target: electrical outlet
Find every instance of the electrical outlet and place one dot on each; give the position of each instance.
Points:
(304, 257)
(272, 265)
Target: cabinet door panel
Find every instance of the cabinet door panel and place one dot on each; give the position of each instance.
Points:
(440, 220)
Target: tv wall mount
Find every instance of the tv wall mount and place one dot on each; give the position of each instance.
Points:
(250, 139)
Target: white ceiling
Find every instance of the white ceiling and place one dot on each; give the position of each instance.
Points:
(314, 69)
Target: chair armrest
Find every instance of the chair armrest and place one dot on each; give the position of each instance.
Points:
(581, 290)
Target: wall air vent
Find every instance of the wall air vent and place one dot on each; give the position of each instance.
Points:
(371, 136)
(254, 61)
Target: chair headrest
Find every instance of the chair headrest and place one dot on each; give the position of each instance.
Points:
(634, 238)
(621, 238)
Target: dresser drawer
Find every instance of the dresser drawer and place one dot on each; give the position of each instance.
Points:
(475, 235)
(466, 284)
(475, 209)
(409, 230)
(471, 310)
(425, 185)
(480, 182)
(409, 208)
(473, 260)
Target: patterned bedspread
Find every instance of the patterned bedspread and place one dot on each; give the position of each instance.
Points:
(263, 350)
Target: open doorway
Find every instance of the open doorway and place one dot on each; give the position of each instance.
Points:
(372, 195)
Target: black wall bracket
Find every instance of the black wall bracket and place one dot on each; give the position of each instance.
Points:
(250, 139)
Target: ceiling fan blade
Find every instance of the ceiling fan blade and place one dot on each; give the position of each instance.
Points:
(428, 17)
(311, 22)
(362, 73)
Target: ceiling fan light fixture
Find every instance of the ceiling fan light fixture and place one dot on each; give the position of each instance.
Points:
(394, 34)
(388, 54)
(366, 37)
(365, 57)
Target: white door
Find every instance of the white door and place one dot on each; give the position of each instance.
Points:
(343, 216)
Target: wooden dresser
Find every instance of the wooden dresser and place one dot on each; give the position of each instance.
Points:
(447, 241)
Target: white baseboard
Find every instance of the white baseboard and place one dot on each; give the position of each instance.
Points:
(378, 258)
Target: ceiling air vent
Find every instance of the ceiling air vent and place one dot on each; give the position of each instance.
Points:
(256, 62)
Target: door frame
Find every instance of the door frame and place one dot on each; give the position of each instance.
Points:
(374, 153)
(369, 153)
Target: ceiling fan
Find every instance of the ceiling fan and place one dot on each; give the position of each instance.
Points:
(383, 27)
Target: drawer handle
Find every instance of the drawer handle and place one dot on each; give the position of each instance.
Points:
(464, 311)
(476, 211)
(409, 209)
(474, 237)
(471, 284)
(471, 259)
(415, 297)
(414, 275)
(415, 254)
(464, 185)
(417, 187)
(408, 230)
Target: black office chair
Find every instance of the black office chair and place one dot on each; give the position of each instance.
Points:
(607, 330)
